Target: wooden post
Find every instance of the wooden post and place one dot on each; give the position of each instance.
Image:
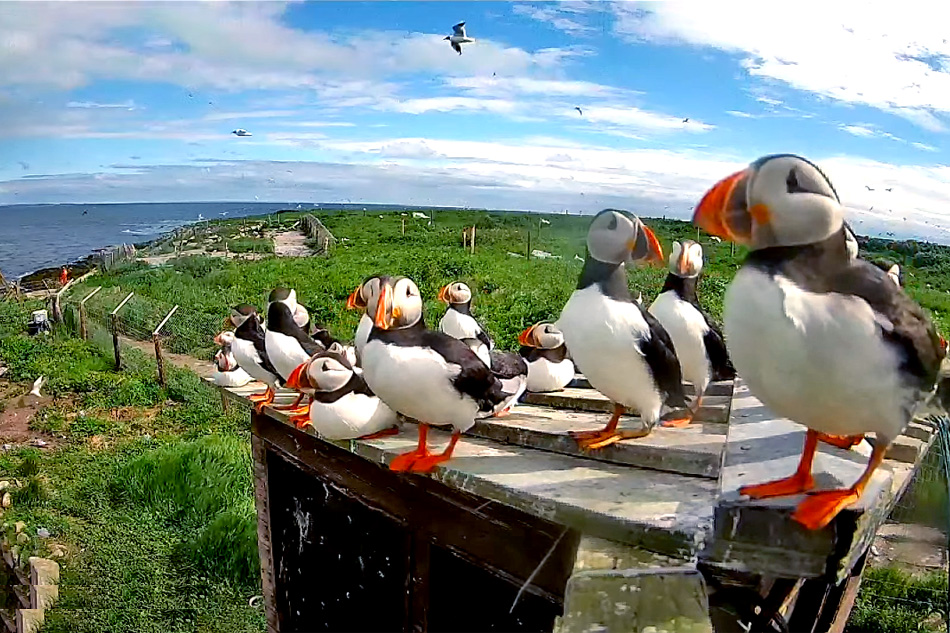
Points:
(404, 226)
(473, 240)
(157, 341)
(114, 319)
(83, 331)
(224, 402)
(527, 250)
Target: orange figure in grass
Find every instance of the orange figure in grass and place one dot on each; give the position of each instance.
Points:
(822, 338)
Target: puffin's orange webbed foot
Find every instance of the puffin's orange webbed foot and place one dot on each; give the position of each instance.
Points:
(503, 413)
(300, 421)
(288, 407)
(779, 488)
(677, 423)
(266, 399)
(593, 440)
(819, 508)
(429, 462)
(402, 463)
(378, 434)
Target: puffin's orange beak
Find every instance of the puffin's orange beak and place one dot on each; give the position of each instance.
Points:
(681, 262)
(293, 381)
(444, 294)
(383, 319)
(351, 301)
(646, 246)
(723, 211)
(525, 337)
(217, 340)
(656, 251)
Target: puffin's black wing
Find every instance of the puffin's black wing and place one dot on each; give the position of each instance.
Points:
(322, 336)
(508, 364)
(475, 379)
(279, 319)
(903, 323)
(254, 333)
(660, 355)
(716, 352)
(483, 337)
(554, 355)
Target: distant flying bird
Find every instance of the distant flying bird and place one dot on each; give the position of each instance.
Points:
(241, 132)
(888, 189)
(686, 120)
(458, 37)
(201, 217)
(85, 213)
(579, 111)
(868, 188)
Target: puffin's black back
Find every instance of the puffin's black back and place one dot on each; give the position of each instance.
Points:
(686, 289)
(280, 319)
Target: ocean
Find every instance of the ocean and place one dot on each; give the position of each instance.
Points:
(45, 235)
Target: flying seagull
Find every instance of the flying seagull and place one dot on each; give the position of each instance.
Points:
(458, 37)
(579, 111)
(868, 188)
(241, 132)
(889, 188)
(686, 120)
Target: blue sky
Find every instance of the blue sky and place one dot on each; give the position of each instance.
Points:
(365, 101)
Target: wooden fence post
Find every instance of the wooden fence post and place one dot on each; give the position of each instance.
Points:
(114, 319)
(404, 226)
(527, 250)
(83, 330)
(473, 240)
(159, 358)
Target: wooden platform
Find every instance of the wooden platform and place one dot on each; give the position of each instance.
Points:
(671, 494)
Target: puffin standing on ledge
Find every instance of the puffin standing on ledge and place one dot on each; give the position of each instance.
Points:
(250, 351)
(425, 375)
(550, 367)
(857, 354)
(364, 298)
(620, 347)
(458, 321)
(696, 337)
(288, 345)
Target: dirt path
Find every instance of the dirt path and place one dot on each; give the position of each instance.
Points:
(291, 244)
(203, 368)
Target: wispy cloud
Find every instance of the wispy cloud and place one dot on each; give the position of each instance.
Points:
(563, 16)
(125, 105)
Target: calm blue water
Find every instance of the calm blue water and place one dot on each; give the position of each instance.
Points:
(39, 236)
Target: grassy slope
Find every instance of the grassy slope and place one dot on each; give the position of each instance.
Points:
(511, 293)
(149, 492)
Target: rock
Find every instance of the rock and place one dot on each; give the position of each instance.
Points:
(22, 538)
(19, 526)
(4, 485)
(39, 443)
(15, 554)
(57, 551)
(42, 533)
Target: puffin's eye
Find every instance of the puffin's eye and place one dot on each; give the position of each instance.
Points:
(792, 184)
(612, 225)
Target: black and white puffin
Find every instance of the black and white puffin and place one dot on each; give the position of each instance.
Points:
(425, 375)
(364, 298)
(250, 352)
(227, 372)
(509, 367)
(550, 367)
(288, 345)
(458, 320)
(696, 337)
(343, 407)
(857, 354)
(618, 345)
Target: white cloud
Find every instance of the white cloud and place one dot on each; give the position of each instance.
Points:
(564, 16)
(740, 114)
(867, 53)
(858, 130)
(924, 146)
(253, 114)
(125, 105)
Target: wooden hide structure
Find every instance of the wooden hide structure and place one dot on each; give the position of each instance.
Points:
(521, 531)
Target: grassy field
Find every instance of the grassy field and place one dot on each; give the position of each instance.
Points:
(511, 292)
(148, 491)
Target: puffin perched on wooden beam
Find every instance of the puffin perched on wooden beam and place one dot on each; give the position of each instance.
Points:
(822, 338)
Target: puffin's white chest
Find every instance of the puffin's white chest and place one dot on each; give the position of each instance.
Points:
(417, 382)
(284, 352)
(458, 325)
(234, 378)
(603, 336)
(249, 360)
(543, 375)
(687, 327)
(362, 335)
(817, 359)
(353, 415)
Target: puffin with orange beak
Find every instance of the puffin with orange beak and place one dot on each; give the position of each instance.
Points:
(424, 375)
(619, 346)
(550, 367)
(458, 321)
(227, 372)
(820, 337)
(696, 337)
(364, 298)
(250, 351)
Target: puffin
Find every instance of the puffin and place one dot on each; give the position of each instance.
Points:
(424, 374)
(342, 405)
(550, 367)
(287, 344)
(227, 372)
(625, 353)
(364, 298)
(697, 339)
(508, 367)
(458, 320)
(250, 351)
(858, 355)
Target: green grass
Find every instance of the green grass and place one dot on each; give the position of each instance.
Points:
(150, 492)
(510, 292)
(894, 601)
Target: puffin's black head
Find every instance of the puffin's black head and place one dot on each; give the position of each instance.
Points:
(615, 237)
(284, 295)
(239, 314)
(399, 304)
(779, 200)
(457, 292)
(686, 259)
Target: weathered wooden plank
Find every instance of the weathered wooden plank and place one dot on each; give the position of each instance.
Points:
(693, 450)
(759, 535)
(714, 408)
(659, 511)
(262, 502)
